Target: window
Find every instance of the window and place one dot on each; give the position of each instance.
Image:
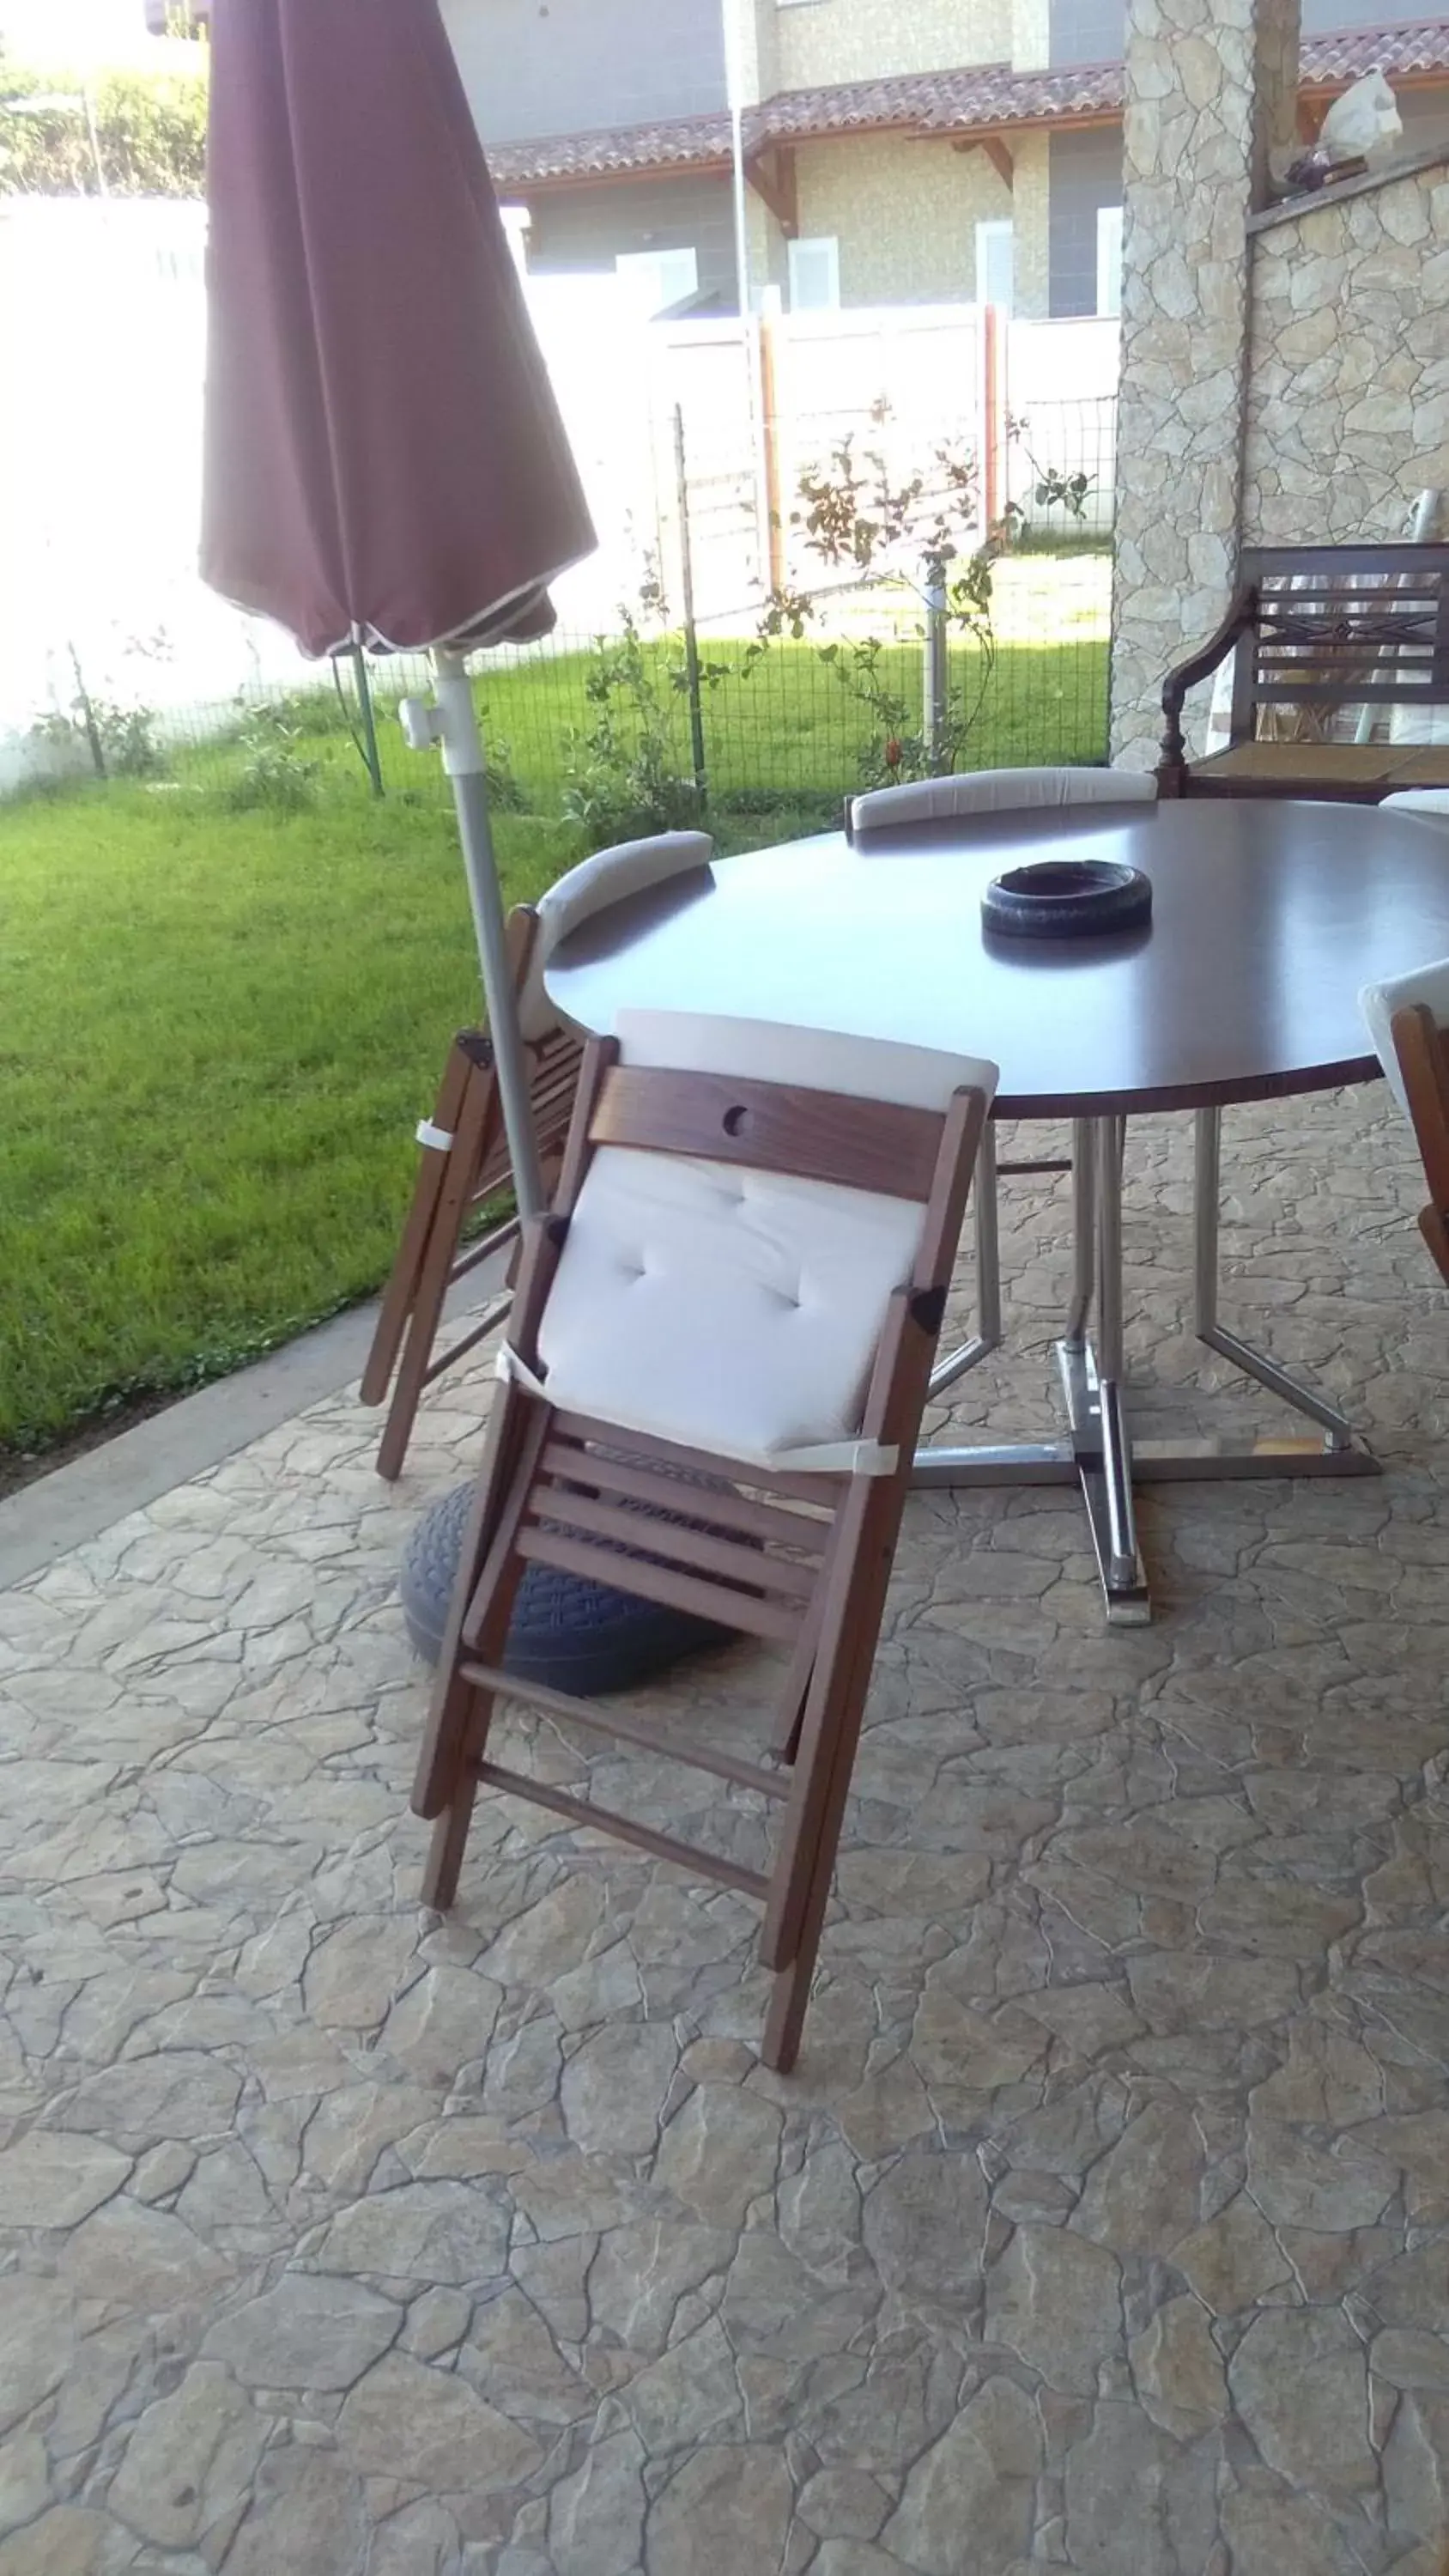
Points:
(994, 265)
(815, 275)
(1109, 259)
(657, 279)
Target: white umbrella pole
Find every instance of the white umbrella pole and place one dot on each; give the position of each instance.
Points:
(453, 724)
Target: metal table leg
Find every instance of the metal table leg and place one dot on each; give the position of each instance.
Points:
(1092, 1382)
(1207, 1194)
(1098, 1451)
(988, 1271)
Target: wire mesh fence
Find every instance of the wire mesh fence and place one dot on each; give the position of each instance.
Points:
(600, 728)
(812, 684)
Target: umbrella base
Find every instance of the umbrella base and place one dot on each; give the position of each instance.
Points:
(571, 1635)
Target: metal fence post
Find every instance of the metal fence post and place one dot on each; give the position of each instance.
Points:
(686, 584)
(937, 670)
(371, 757)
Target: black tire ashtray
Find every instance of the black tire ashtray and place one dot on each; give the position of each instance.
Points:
(1067, 899)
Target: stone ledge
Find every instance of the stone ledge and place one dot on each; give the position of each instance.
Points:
(1429, 156)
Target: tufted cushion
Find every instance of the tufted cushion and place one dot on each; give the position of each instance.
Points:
(595, 883)
(998, 791)
(1431, 802)
(731, 1310)
(1378, 1003)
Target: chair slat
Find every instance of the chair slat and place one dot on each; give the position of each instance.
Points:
(627, 1730)
(701, 1598)
(583, 1811)
(723, 1510)
(759, 1126)
(819, 1488)
(733, 1560)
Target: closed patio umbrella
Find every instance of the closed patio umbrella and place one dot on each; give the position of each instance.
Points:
(384, 460)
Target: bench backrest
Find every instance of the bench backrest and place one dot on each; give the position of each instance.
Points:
(1334, 626)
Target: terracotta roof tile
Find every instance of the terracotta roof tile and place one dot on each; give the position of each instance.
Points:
(985, 96)
(677, 142)
(1422, 47)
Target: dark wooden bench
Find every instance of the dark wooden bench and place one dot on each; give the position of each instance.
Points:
(1320, 632)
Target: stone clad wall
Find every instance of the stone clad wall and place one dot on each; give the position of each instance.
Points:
(1348, 395)
(1210, 86)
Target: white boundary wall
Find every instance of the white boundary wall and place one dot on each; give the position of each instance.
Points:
(102, 321)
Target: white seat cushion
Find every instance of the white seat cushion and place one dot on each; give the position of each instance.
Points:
(733, 1310)
(1379, 1002)
(998, 791)
(1431, 802)
(591, 887)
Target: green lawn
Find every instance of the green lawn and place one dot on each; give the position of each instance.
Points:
(220, 1029)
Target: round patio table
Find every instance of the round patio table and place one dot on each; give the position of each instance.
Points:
(1268, 915)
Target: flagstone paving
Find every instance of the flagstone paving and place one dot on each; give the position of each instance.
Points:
(1106, 2221)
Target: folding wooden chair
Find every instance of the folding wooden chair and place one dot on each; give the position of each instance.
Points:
(1408, 1021)
(968, 795)
(743, 1279)
(996, 791)
(465, 1159)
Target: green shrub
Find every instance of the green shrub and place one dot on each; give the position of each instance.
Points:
(272, 777)
(150, 133)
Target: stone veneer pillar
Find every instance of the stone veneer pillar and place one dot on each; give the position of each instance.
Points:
(1211, 88)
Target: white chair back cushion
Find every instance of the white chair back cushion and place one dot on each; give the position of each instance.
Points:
(1431, 802)
(732, 1310)
(998, 791)
(1378, 1003)
(595, 883)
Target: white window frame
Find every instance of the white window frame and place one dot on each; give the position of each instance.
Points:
(818, 244)
(1109, 260)
(989, 237)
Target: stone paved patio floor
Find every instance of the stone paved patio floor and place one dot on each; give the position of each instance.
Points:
(1106, 2222)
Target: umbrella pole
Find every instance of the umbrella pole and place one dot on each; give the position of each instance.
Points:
(454, 726)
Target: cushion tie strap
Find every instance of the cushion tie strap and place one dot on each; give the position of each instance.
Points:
(440, 1139)
(813, 1458)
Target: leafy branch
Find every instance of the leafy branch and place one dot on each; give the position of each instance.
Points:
(919, 530)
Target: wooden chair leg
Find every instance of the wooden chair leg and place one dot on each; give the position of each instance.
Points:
(472, 1139)
(449, 1841)
(1435, 1231)
(483, 1613)
(830, 1733)
(402, 1280)
(785, 1734)
(785, 2017)
(488, 1576)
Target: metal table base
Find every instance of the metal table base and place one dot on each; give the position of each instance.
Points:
(1097, 1450)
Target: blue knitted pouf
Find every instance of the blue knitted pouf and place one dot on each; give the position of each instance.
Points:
(568, 1633)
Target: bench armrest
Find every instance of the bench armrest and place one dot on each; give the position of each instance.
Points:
(1242, 614)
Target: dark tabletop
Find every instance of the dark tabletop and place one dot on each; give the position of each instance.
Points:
(1267, 917)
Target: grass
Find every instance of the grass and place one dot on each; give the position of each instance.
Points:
(220, 1028)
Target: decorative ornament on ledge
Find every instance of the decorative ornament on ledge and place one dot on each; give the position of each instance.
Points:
(1361, 129)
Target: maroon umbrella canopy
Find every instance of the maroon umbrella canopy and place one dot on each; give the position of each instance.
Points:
(385, 463)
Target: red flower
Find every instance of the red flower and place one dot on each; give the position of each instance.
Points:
(893, 753)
